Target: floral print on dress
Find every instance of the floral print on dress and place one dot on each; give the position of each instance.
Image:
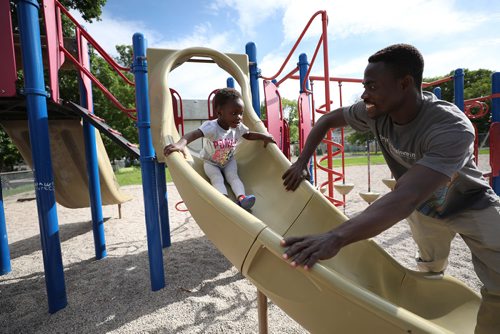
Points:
(219, 143)
(221, 157)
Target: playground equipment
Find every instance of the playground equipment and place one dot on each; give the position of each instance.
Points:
(362, 288)
(369, 196)
(48, 133)
(361, 283)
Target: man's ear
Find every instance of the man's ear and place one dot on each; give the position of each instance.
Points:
(407, 82)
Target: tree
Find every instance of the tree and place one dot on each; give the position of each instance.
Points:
(290, 113)
(123, 92)
(9, 155)
(359, 138)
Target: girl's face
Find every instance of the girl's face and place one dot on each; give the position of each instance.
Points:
(230, 114)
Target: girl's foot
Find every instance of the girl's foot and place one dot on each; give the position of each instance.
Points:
(246, 202)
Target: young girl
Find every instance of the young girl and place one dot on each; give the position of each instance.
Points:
(221, 136)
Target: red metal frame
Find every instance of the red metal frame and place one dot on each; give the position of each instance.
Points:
(210, 105)
(483, 110)
(274, 116)
(8, 75)
(322, 42)
(437, 82)
(178, 111)
(494, 152)
(57, 53)
(53, 32)
(336, 79)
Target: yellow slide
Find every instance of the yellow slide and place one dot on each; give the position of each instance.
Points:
(361, 290)
(69, 163)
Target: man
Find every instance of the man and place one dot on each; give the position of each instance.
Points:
(428, 146)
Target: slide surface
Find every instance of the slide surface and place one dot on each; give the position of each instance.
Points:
(361, 290)
(69, 163)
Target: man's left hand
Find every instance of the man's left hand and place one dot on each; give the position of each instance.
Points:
(306, 251)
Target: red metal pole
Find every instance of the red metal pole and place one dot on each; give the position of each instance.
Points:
(326, 73)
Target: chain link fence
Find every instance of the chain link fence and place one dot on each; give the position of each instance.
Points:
(17, 182)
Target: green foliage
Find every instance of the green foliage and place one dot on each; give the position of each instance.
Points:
(125, 55)
(124, 93)
(290, 109)
(360, 138)
(290, 113)
(90, 9)
(9, 155)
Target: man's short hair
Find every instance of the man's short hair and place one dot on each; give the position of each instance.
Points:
(403, 59)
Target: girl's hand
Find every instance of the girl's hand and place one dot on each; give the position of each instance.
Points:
(177, 147)
(268, 139)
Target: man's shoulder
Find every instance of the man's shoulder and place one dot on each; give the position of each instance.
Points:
(441, 111)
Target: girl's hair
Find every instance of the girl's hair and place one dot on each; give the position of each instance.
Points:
(403, 59)
(225, 95)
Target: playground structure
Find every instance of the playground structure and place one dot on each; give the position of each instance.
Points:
(362, 280)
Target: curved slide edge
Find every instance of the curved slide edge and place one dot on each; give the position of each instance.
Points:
(359, 290)
(68, 162)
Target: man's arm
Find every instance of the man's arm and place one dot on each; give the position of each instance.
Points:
(412, 189)
(298, 171)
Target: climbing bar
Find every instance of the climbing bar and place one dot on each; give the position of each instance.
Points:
(99, 85)
(321, 12)
(437, 82)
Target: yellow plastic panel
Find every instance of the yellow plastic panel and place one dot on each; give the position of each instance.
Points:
(68, 162)
(324, 301)
(361, 290)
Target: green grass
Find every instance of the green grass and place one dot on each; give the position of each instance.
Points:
(357, 160)
(18, 190)
(375, 159)
(484, 150)
(132, 175)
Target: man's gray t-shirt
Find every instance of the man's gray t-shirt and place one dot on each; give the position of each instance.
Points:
(441, 137)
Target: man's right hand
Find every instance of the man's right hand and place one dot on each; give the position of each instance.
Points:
(294, 175)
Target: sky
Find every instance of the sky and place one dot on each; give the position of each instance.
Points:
(450, 34)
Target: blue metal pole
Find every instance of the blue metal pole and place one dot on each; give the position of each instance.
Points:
(437, 92)
(230, 83)
(251, 51)
(34, 89)
(458, 88)
(161, 187)
(4, 242)
(147, 158)
(93, 172)
(495, 117)
(303, 67)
